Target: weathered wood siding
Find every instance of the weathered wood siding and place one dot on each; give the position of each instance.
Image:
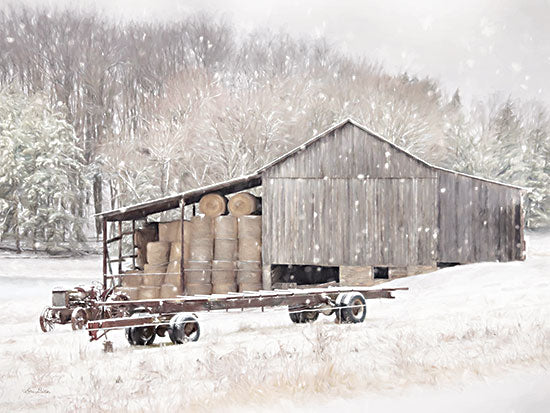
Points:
(352, 199)
(356, 222)
(478, 220)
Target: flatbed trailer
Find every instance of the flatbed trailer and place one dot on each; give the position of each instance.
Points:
(146, 319)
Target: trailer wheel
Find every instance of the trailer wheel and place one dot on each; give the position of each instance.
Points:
(183, 328)
(353, 308)
(79, 318)
(140, 336)
(46, 320)
(299, 316)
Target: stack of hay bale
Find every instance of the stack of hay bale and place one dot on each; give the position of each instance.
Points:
(171, 232)
(198, 270)
(158, 254)
(249, 264)
(225, 255)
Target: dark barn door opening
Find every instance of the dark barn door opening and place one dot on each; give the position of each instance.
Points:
(305, 274)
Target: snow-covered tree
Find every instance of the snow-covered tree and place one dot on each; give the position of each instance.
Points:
(42, 182)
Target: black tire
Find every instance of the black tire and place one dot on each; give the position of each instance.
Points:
(353, 309)
(301, 317)
(184, 328)
(140, 336)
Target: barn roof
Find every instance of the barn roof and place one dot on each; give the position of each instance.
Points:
(341, 124)
(143, 209)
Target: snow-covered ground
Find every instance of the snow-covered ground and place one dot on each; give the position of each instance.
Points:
(470, 338)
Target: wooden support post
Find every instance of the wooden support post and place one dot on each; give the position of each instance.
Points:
(104, 254)
(120, 247)
(134, 244)
(182, 271)
(194, 210)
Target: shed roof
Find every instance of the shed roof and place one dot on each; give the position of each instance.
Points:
(143, 209)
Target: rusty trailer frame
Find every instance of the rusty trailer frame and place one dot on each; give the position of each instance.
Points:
(147, 318)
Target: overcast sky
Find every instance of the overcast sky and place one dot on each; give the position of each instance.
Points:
(479, 46)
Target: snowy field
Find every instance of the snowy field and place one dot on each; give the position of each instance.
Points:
(471, 338)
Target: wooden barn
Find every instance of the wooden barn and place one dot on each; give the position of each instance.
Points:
(348, 206)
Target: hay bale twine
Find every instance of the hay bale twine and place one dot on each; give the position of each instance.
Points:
(175, 251)
(250, 287)
(243, 203)
(131, 292)
(250, 226)
(223, 272)
(201, 249)
(224, 288)
(213, 205)
(202, 227)
(168, 291)
(225, 249)
(158, 252)
(132, 279)
(250, 249)
(154, 274)
(225, 226)
(148, 292)
(194, 289)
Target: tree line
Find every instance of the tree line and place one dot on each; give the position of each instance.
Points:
(157, 108)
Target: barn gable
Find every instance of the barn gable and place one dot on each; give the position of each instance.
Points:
(348, 150)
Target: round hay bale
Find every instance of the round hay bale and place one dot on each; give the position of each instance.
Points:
(194, 289)
(174, 268)
(154, 274)
(225, 226)
(249, 277)
(201, 227)
(141, 258)
(250, 287)
(195, 276)
(171, 231)
(168, 291)
(148, 292)
(175, 251)
(223, 272)
(224, 288)
(213, 205)
(174, 279)
(250, 226)
(201, 249)
(249, 265)
(243, 203)
(131, 292)
(132, 279)
(250, 249)
(225, 249)
(158, 252)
